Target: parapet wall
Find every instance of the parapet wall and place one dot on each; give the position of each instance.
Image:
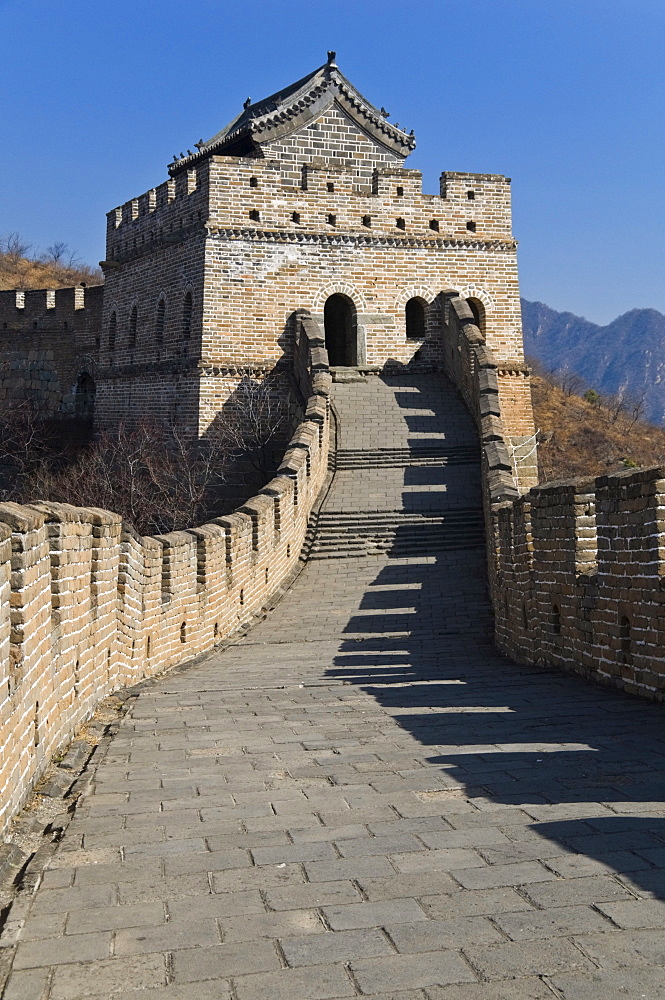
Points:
(88, 605)
(48, 338)
(576, 569)
(508, 465)
(580, 579)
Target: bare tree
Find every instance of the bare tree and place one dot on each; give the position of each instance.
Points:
(56, 253)
(614, 406)
(570, 382)
(635, 405)
(256, 420)
(157, 478)
(14, 247)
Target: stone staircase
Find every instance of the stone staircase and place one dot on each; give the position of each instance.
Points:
(400, 457)
(406, 478)
(338, 535)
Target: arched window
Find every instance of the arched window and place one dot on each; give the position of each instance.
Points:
(187, 316)
(160, 321)
(415, 319)
(133, 323)
(478, 310)
(113, 329)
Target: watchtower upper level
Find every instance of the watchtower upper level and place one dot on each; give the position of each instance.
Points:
(322, 116)
(314, 157)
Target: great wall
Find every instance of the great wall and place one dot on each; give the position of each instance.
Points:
(407, 489)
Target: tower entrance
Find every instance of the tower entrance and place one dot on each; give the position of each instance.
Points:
(339, 320)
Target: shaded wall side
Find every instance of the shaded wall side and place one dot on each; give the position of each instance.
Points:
(47, 340)
(580, 581)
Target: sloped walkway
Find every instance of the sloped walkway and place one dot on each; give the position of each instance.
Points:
(361, 798)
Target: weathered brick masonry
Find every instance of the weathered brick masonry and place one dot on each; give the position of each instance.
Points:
(577, 569)
(88, 606)
(49, 340)
(294, 229)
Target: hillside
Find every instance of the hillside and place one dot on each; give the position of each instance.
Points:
(56, 268)
(581, 437)
(626, 356)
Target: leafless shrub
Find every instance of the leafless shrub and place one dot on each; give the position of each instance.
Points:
(255, 421)
(26, 440)
(14, 247)
(57, 267)
(159, 479)
(59, 253)
(570, 382)
(592, 434)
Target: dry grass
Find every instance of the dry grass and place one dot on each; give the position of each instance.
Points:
(19, 270)
(582, 438)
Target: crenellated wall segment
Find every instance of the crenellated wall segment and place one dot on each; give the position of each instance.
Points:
(88, 606)
(576, 569)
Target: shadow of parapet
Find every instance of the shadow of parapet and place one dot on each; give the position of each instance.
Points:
(572, 772)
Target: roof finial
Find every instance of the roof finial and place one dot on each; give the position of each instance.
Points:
(247, 103)
(331, 58)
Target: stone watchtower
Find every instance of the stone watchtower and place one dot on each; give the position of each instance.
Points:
(302, 201)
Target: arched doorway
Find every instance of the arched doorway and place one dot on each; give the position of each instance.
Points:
(341, 330)
(84, 399)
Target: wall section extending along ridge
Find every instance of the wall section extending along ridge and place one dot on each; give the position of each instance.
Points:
(88, 606)
(576, 569)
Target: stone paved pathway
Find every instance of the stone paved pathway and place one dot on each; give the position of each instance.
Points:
(361, 798)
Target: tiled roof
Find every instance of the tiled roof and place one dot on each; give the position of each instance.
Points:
(291, 107)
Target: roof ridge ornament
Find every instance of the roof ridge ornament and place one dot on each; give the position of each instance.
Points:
(331, 59)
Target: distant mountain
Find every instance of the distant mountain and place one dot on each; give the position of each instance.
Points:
(627, 355)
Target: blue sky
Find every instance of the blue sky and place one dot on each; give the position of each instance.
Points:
(564, 96)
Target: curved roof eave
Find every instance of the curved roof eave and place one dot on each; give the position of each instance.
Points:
(291, 107)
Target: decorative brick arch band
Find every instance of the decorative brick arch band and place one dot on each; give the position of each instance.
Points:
(339, 288)
(416, 292)
(474, 292)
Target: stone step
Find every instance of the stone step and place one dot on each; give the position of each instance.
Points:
(431, 527)
(365, 519)
(396, 533)
(397, 550)
(400, 457)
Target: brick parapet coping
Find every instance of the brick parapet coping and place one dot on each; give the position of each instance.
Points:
(88, 606)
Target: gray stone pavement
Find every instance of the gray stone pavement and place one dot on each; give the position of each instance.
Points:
(360, 798)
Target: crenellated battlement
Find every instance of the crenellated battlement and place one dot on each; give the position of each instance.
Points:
(50, 309)
(157, 214)
(586, 591)
(242, 192)
(576, 569)
(260, 194)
